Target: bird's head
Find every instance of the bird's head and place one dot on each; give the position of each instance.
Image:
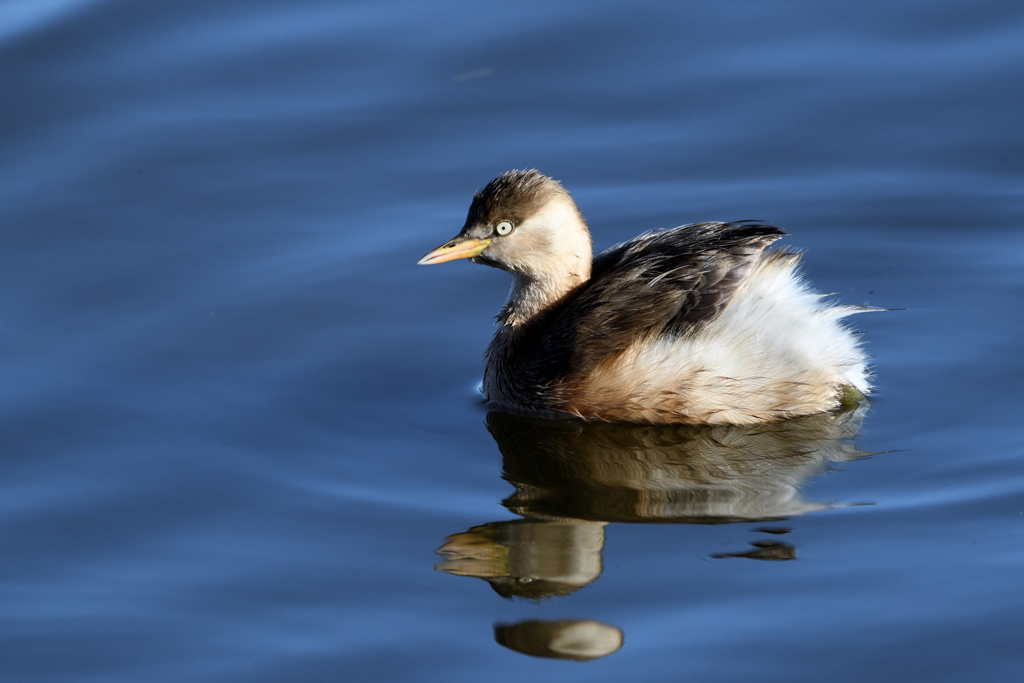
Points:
(527, 224)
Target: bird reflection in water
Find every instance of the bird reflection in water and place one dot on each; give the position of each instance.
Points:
(764, 550)
(578, 640)
(528, 558)
(572, 478)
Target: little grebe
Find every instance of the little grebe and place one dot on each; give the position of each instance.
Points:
(698, 324)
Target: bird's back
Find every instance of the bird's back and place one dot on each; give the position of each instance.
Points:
(695, 324)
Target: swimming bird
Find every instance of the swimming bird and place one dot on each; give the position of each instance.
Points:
(699, 324)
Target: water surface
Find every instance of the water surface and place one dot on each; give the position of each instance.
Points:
(238, 421)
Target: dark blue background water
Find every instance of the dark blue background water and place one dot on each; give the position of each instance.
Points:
(236, 420)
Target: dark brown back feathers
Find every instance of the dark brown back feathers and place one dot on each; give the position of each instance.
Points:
(660, 283)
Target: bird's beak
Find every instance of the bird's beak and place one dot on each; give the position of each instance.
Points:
(460, 247)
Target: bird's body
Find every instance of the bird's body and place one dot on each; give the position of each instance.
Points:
(698, 324)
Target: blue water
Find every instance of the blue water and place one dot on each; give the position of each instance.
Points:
(237, 421)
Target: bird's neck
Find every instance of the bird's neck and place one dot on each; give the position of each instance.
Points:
(532, 296)
(555, 258)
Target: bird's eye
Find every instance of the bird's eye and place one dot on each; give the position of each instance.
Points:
(503, 228)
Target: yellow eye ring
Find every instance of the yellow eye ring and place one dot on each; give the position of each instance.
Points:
(503, 228)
